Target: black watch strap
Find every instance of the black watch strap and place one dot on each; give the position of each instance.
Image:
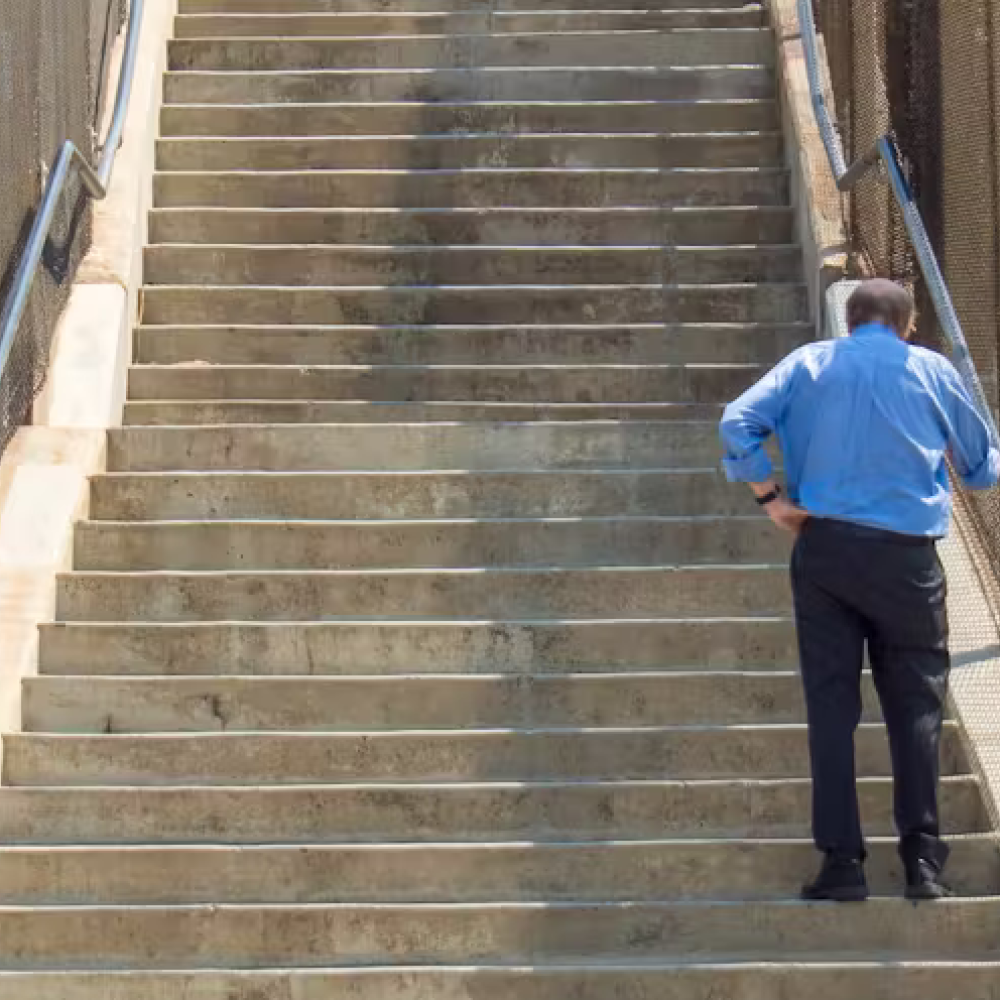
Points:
(769, 497)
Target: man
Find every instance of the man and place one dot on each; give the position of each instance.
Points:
(865, 425)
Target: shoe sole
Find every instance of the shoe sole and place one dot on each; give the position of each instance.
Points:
(927, 894)
(854, 894)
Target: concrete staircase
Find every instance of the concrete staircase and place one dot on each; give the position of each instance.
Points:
(416, 648)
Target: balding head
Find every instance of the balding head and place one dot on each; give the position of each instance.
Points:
(880, 301)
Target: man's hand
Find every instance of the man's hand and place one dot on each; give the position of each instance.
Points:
(786, 515)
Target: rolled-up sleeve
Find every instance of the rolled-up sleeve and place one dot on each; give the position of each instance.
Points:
(750, 420)
(974, 451)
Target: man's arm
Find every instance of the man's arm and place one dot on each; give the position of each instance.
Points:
(974, 453)
(746, 425)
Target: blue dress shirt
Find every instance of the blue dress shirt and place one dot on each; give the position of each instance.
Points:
(865, 424)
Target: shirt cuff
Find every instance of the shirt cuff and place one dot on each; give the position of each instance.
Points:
(986, 475)
(752, 468)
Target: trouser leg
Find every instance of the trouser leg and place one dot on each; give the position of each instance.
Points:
(910, 663)
(831, 649)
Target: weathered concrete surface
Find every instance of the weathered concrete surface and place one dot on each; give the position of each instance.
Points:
(734, 870)
(475, 188)
(405, 647)
(260, 758)
(498, 225)
(691, 47)
(654, 343)
(340, 681)
(738, 149)
(461, 265)
(681, 981)
(304, 704)
(470, 812)
(322, 935)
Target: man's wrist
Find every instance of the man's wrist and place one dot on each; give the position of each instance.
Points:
(766, 493)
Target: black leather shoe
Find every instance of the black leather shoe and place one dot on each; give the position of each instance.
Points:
(841, 880)
(923, 881)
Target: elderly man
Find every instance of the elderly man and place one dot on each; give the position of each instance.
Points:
(865, 425)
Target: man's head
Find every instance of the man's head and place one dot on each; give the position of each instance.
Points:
(881, 301)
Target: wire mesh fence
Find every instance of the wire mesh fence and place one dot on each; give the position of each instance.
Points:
(54, 57)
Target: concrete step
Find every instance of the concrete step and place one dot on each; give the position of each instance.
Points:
(481, 593)
(482, 812)
(473, 21)
(705, 753)
(444, 151)
(653, 343)
(105, 546)
(414, 447)
(734, 870)
(474, 188)
(410, 647)
(326, 6)
(290, 936)
(458, 265)
(191, 412)
(310, 704)
(520, 227)
(595, 383)
(686, 980)
(400, 113)
(692, 97)
(465, 304)
(322, 496)
(684, 47)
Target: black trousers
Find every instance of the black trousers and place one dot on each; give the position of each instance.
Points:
(854, 587)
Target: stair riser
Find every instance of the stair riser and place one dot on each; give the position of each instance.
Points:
(290, 759)
(452, 152)
(483, 814)
(380, 266)
(720, 871)
(692, 47)
(415, 447)
(483, 21)
(366, 6)
(458, 495)
(328, 936)
(821, 982)
(505, 345)
(400, 383)
(523, 103)
(207, 412)
(359, 546)
(405, 648)
(558, 304)
(85, 705)
(483, 189)
(490, 227)
(575, 594)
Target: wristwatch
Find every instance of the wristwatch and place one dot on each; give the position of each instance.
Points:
(769, 497)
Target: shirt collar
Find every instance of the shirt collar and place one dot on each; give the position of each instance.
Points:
(875, 330)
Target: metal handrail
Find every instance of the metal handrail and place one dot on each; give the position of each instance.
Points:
(848, 175)
(95, 180)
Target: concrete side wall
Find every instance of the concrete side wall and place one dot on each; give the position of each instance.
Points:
(44, 473)
(818, 205)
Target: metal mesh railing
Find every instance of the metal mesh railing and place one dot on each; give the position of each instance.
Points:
(54, 58)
